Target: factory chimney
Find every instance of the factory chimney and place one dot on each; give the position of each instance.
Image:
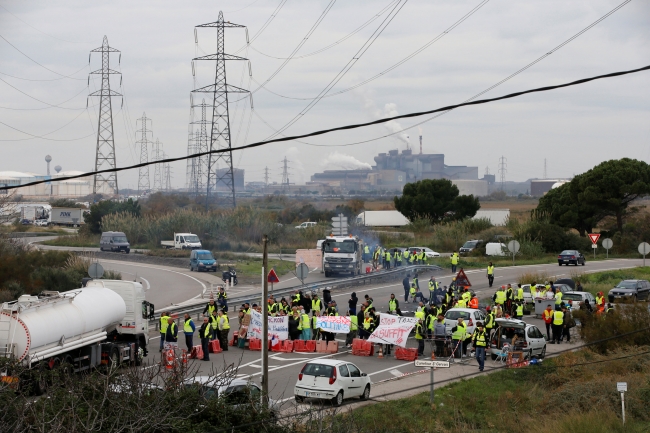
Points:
(420, 145)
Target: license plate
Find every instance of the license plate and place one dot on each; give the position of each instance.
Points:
(566, 260)
(312, 394)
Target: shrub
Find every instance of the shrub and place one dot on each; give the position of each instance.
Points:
(624, 319)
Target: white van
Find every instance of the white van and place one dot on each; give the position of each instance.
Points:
(306, 225)
(495, 249)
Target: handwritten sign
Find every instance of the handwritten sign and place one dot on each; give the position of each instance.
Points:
(393, 329)
(335, 324)
(278, 327)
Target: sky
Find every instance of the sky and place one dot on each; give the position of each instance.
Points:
(572, 129)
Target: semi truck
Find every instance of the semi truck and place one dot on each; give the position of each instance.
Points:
(67, 216)
(342, 255)
(183, 241)
(381, 218)
(104, 323)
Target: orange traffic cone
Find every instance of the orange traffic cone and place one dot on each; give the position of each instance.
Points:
(381, 351)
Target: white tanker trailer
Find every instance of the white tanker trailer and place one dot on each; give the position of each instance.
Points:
(104, 323)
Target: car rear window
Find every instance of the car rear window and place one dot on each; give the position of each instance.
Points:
(318, 370)
(626, 285)
(470, 244)
(455, 315)
(572, 297)
(568, 253)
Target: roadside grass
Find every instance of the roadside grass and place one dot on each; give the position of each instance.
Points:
(252, 266)
(80, 240)
(559, 395)
(604, 281)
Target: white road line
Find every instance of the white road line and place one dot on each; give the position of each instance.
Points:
(148, 285)
(299, 362)
(390, 368)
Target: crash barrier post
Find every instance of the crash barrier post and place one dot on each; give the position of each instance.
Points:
(233, 342)
(362, 347)
(332, 347)
(197, 352)
(321, 346)
(254, 344)
(284, 346)
(170, 359)
(310, 346)
(406, 354)
(300, 345)
(214, 346)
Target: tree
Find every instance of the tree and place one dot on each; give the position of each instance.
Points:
(436, 200)
(606, 190)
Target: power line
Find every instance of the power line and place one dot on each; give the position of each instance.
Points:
(264, 26)
(53, 79)
(40, 31)
(358, 125)
(43, 102)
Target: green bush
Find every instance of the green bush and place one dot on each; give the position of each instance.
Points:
(57, 279)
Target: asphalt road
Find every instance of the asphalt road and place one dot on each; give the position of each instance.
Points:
(284, 367)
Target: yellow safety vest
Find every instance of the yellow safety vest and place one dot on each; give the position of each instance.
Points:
(600, 300)
(214, 322)
(479, 338)
(520, 310)
(454, 259)
(533, 291)
(466, 296)
(366, 323)
(558, 318)
(433, 285)
(490, 270)
(520, 294)
(558, 297)
(501, 297)
(392, 304)
(489, 321)
(211, 308)
(315, 304)
(461, 303)
(366, 249)
(398, 256)
(305, 321)
(418, 332)
(163, 324)
(354, 325)
(419, 314)
(461, 330)
(187, 327)
(413, 291)
(226, 323)
(207, 332)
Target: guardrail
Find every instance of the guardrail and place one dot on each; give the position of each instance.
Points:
(332, 284)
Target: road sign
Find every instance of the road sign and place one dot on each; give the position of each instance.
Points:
(621, 386)
(340, 225)
(95, 270)
(607, 243)
(462, 280)
(301, 271)
(272, 277)
(644, 248)
(594, 246)
(513, 246)
(594, 237)
(428, 363)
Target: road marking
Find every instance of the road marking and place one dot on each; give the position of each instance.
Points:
(390, 368)
(296, 363)
(396, 372)
(291, 359)
(148, 285)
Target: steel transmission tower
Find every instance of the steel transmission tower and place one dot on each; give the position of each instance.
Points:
(199, 168)
(285, 173)
(144, 142)
(220, 123)
(503, 169)
(167, 169)
(105, 152)
(158, 168)
(266, 176)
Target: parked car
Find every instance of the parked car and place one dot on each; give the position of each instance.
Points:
(202, 260)
(26, 222)
(530, 339)
(306, 225)
(331, 379)
(574, 299)
(114, 241)
(528, 298)
(427, 251)
(634, 290)
(469, 315)
(41, 223)
(571, 257)
(470, 246)
(238, 392)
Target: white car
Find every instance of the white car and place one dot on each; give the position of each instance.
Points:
(306, 225)
(469, 315)
(574, 299)
(427, 251)
(41, 223)
(528, 298)
(530, 340)
(333, 380)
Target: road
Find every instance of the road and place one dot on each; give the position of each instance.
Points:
(284, 367)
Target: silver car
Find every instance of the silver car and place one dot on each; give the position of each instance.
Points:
(238, 392)
(530, 339)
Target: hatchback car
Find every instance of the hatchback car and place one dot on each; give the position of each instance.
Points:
(529, 338)
(633, 290)
(427, 251)
(469, 315)
(571, 257)
(331, 379)
(202, 260)
(574, 299)
(238, 393)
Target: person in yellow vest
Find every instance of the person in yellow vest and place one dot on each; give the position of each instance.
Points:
(558, 322)
(489, 323)
(558, 299)
(393, 304)
(164, 317)
(600, 301)
(480, 341)
(366, 253)
(423, 257)
(209, 308)
(419, 336)
(458, 333)
(462, 303)
(519, 310)
(413, 257)
(368, 324)
(533, 291)
(316, 304)
(315, 333)
(306, 325)
(188, 330)
(214, 322)
(387, 259)
(224, 330)
(205, 331)
(454, 262)
(519, 295)
(433, 287)
(466, 296)
(490, 273)
(500, 296)
(547, 315)
(398, 257)
(354, 327)
(270, 307)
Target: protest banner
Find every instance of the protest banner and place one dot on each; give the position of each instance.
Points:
(278, 327)
(393, 330)
(335, 324)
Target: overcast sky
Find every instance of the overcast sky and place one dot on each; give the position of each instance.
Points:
(574, 129)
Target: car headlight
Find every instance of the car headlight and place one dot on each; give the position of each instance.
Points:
(201, 264)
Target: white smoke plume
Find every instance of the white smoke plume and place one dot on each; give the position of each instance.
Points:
(390, 110)
(296, 168)
(346, 162)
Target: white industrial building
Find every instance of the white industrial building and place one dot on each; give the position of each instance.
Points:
(53, 188)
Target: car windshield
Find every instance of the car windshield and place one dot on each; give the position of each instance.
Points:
(318, 370)
(204, 256)
(470, 244)
(192, 238)
(568, 253)
(119, 239)
(339, 247)
(455, 315)
(572, 297)
(626, 285)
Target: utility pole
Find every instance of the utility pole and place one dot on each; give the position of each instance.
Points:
(503, 169)
(265, 323)
(220, 123)
(144, 142)
(105, 151)
(157, 172)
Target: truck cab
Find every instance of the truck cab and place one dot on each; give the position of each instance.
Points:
(183, 241)
(342, 255)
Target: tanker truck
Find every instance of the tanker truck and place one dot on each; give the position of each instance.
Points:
(101, 324)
